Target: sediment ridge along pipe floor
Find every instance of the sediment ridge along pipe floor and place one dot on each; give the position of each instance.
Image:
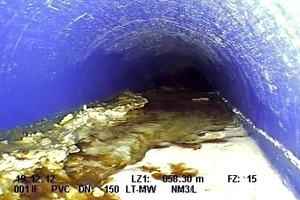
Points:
(58, 55)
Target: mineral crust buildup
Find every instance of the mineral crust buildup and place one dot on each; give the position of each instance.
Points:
(88, 146)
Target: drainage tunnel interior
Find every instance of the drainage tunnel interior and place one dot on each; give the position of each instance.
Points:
(57, 56)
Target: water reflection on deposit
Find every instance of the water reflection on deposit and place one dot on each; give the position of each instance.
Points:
(88, 146)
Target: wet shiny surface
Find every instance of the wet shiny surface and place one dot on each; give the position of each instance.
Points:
(88, 146)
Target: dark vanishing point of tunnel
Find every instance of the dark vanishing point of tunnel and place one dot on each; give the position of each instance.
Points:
(183, 75)
(189, 78)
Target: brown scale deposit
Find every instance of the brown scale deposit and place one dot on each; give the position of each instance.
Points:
(178, 169)
(109, 136)
(171, 116)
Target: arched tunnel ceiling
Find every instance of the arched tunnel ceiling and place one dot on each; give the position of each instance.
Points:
(82, 51)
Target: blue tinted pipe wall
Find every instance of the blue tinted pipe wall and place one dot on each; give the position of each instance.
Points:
(57, 55)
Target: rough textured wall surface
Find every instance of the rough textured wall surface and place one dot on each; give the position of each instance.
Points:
(57, 55)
